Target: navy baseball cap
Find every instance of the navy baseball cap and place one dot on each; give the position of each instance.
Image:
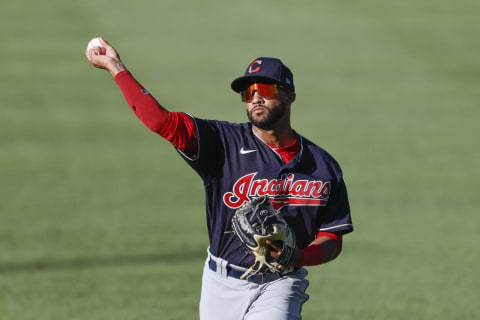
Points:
(266, 70)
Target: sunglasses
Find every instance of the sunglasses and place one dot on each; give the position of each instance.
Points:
(268, 91)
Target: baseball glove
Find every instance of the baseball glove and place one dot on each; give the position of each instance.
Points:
(254, 223)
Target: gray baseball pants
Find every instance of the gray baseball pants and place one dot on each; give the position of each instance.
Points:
(227, 298)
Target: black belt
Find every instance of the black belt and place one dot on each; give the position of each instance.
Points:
(255, 278)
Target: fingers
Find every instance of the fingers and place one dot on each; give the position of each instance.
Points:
(100, 56)
(88, 54)
(275, 246)
(96, 51)
(105, 43)
(276, 249)
(109, 50)
(96, 56)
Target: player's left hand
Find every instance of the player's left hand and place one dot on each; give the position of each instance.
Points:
(276, 250)
(256, 222)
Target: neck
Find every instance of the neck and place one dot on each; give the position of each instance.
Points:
(278, 136)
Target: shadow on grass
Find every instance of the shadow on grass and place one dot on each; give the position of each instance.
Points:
(95, 262)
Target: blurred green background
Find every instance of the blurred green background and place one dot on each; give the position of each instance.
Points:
(101, 219)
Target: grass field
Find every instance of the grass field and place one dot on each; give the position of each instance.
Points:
(94, 223)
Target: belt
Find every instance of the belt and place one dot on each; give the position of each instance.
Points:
(255, 278)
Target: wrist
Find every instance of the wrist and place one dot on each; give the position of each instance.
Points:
(115, 67)
(297, 256)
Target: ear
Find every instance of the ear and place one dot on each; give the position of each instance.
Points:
(291, 96)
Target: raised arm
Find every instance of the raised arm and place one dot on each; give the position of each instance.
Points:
(176, 127)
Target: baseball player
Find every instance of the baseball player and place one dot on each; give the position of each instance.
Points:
(241, 162)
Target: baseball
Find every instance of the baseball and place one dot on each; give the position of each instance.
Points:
(95, 42)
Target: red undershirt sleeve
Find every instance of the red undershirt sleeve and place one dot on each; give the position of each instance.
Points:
(176, 127)
(314, 254)
(180, 131)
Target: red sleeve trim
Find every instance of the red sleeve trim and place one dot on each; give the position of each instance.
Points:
(335, 236)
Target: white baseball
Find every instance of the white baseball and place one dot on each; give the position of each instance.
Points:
(95, 42)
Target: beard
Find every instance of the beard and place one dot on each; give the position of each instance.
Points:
(272, 116)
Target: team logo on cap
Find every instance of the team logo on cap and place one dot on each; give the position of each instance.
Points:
(258, 62)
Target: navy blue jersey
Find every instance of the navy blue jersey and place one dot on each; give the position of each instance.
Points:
(236, 166)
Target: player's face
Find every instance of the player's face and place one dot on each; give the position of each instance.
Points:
(264, 112)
